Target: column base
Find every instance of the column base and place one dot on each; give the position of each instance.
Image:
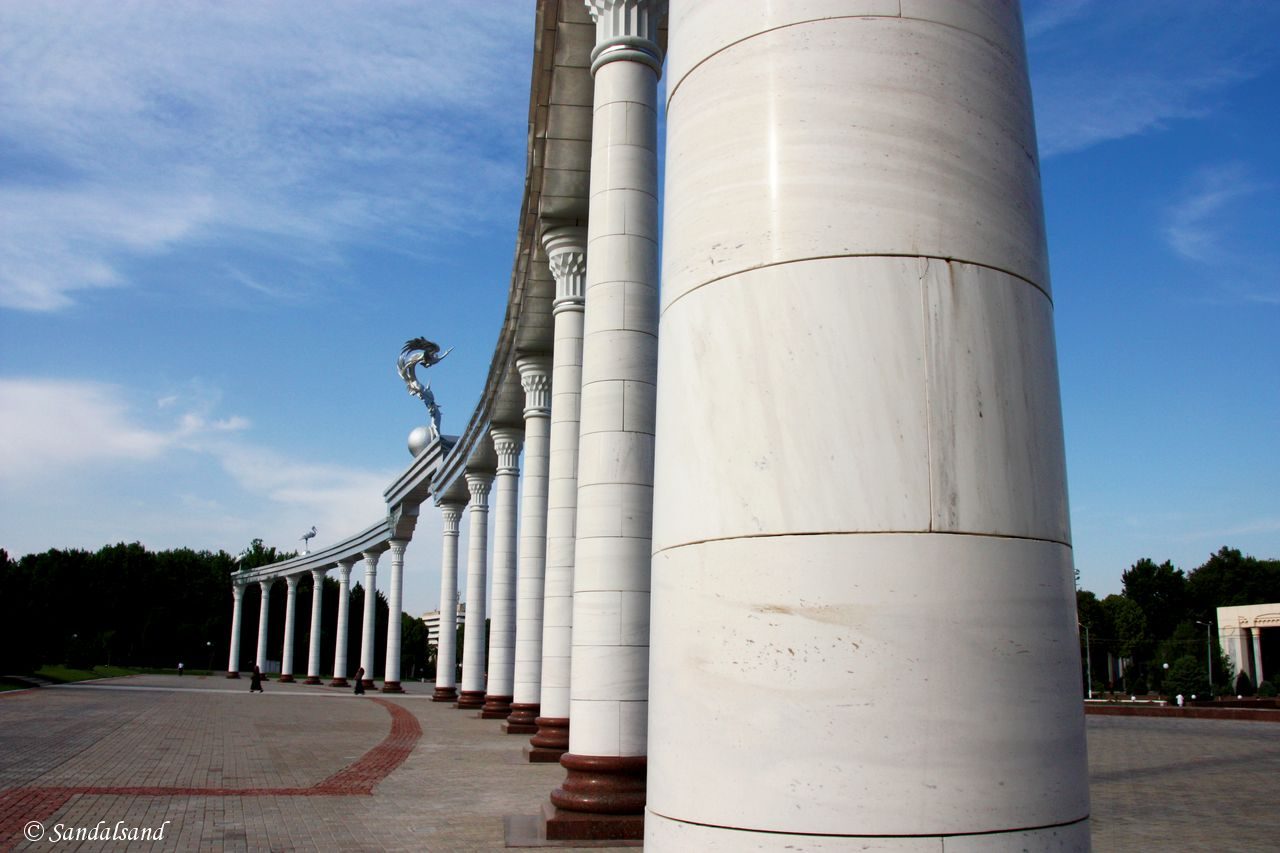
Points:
(339, 682)
(536, 755)
(286, 679)
(561, 825)
(470, 700)
(311, 679)
(523, 719)
(552, 736)
(496, 707)
(368, 683)
(445, 694)
(392, 687)
(233, 675)
(602, 785)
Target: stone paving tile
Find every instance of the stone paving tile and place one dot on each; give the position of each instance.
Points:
(442, 780)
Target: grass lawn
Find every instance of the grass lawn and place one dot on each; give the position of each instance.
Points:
(62, 674)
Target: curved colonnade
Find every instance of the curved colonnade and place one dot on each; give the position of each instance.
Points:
(853, 520)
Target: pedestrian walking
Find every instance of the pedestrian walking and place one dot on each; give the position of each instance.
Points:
(255, 680)
(359, 691)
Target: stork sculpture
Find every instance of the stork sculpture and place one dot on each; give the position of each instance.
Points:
(420, 351)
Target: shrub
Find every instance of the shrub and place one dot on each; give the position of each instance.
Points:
(1244, 684)
(1187, 676)
(1267, 690)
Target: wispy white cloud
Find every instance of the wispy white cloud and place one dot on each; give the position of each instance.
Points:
(286, 128)
(1107, 71)
(1219, 221)
(1194, 226)
(57, 434)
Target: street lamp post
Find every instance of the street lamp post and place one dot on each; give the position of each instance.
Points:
(1088, 659)
(208, 644)
(1208, 648)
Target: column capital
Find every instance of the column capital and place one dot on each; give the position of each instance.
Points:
(566, 248)
(535, 378)
(266, 585)
(237, 591)
(450, 513)
(507, 442)
(371, 561)
(344, 569)
(318, 575)
(397, 548)
(627, 29)
(479, 483)
(292, 581)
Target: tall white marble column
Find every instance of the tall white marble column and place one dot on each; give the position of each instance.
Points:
(535, 378)
(317, 604)
(502, 601)
(264, 610)
(863, 605)
(391, 672)
(290, 606)
(367, 639)
(237, 606)
(447, 639)
(566, 247)
(610, 667)
(344, 624)
(1258, 675)
(473, 662)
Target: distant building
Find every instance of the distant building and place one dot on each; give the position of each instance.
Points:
(432, 618)
(1243, 633)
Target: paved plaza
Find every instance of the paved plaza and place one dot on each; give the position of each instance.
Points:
(313, 768)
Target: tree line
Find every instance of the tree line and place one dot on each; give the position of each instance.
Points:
(1162, 617)
(126, 606)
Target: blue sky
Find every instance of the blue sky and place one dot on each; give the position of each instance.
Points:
(218, 224)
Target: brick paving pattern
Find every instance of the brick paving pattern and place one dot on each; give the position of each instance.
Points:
(313, 768)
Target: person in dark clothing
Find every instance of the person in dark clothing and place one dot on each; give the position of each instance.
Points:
(255, 680)
(359, 691)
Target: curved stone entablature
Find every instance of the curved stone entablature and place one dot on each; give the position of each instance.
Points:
(555, 193)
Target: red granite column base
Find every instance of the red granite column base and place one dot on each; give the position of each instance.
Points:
(523, 719)
(311, 679)
(562, 825)
(286, 679)
(233, 675)
(496, 707)
(602, 785)
(368, 684)
(552, 736)
(536, 755)
(338, 681)
(392, 687)
(470, 700)
(445, 694)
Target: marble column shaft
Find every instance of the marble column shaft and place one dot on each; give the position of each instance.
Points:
(1259, 675)
(367, 639)
(473, 662)
(566, 247)
(502, 600)
(863, 603)
(344, 626)
(317, 604)
(233, 656)
(290, 620)
(391, 671)
(264, 611)
(447, 639)
(535, 378)
(610, 666)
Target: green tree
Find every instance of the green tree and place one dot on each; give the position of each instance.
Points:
(1187, 676)
(1160, 591)
(1229, 578)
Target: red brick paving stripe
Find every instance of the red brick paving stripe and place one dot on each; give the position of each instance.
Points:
(19, 806)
